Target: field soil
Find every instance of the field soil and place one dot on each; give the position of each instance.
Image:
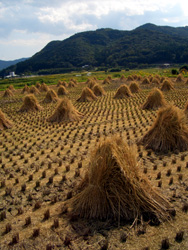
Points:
(42, 162)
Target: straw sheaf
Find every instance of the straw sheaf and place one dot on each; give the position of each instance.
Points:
(134, 87)
(34, 90)
(65, 112)
(167, 85)
(154, 100)
(62, 90)
(25, 89)
(113, 186)
(98, 90)
(123, 92)
(169, 131)
(5, 123)
(30, 104)
(8, 93)
(87, 95)
(51, 96)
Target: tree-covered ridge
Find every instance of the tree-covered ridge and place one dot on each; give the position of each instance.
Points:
(147, 44)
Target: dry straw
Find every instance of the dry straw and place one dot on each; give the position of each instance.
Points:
(145, 81)
(113, 187)
(25, 89)
(38, 85)
(179, 78)
(169, 131)
(71, 84)
(98, 90)
(156, 81)
(134, 87)
(4, 121)
(44, 87)
(11, 87)
(65, 112)
(91, 83)
(186, 110)
(62, 83)
(87, 95)
(130, 78)
(34, 90)
(62, 90)
(123, 92)
(155, 100)
(106, 81)
(51, 96)
(122, 78)
(167, 85)
(30, 104)
(8, 93)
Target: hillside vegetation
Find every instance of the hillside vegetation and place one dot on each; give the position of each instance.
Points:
(146, 45)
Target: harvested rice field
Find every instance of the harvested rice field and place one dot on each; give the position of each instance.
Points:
(94, 165)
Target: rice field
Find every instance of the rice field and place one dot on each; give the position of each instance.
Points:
(42, 164)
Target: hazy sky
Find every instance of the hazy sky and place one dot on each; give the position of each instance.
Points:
(26, 26)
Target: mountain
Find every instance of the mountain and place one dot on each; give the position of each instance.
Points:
(146, 45)
(5, 64)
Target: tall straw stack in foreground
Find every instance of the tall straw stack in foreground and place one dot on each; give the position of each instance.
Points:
(65, 112)
(4, 121)
(155, 100)
(51, 96)
(114, 188)
(98, 90)
(186, 110)
(167, 85)
(8, 93)
(30, 104)
(123, 92)
(134, 87)
(87, 95)
(169, 131)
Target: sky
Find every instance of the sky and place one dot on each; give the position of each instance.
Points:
(27, 26)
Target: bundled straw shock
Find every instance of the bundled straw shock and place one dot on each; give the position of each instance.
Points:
(169, 131)
(98, 90)
(113, 186)
(25, 89)
(123, 92)
(134, 87)
(167, 85)
(4, 121)
(8, 93)
(65, 111)
(62, 90)
(87, 95)
(51, 96)
(155, 100)
(30, 104)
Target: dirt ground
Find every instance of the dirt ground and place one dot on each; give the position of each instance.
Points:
(41, 163)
